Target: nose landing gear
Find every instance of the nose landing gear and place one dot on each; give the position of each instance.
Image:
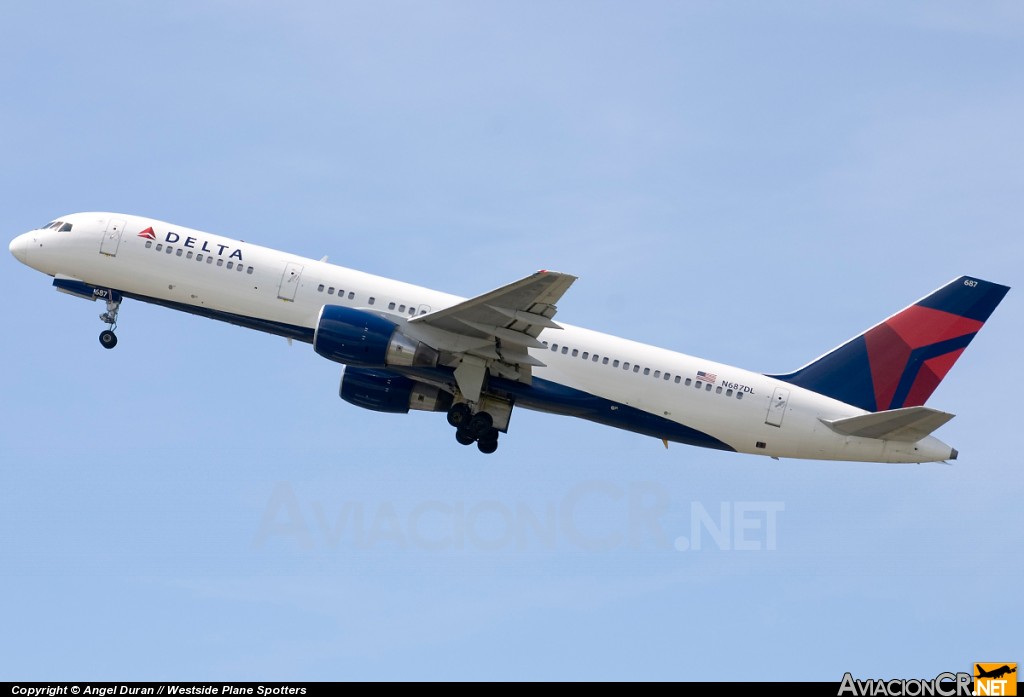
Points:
(108, 339)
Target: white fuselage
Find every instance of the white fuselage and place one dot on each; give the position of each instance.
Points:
(749, 412)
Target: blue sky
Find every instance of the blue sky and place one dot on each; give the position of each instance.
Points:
(747, 182)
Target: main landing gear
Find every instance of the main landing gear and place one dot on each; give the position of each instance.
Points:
(108, 339)
(473, 428)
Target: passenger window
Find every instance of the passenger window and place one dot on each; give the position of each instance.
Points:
(596, 357)
(718, 390)
(554, 347)
(320, 288)
(728, 393)
(330, 291)
(209, 260)
(677, 379)
(249, 270)
(149, 244)
(657, 373)
(189, 255)
(220, 262)
(615, 363)
(707, 388)
(178, 253)
(739, 395)
(688, 382)
(647, 371)
(575, 352)
(231, 264)
(240, 268)
(169, 250)
(391, 306)
(604, 361)
(401, 308)
(565, 349)
(373, 300)
(199, 257)
(352, 296)
(159, 248)
(625, 366)
(586, 355)
(636, 368)
(667, 376)
(699, 384)
(412, 311)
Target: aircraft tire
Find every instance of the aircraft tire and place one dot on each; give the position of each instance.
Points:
(459, 415)
(108, 339)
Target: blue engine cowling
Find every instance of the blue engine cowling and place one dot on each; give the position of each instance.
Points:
(382, 390)
(354, 337)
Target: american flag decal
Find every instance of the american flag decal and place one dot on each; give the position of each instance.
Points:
(706, 377)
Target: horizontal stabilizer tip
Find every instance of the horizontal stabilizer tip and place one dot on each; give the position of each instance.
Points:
(907, 425)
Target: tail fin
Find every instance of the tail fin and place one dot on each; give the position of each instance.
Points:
(899, 362)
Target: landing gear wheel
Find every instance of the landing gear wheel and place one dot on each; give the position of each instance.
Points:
(487, 446)
(459, 415)
(480, 424)
(108, 339)
(464, 438)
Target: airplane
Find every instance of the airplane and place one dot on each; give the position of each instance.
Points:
(406, 347)
(996, 673)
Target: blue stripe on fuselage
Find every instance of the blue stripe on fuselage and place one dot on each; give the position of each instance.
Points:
(540, 395)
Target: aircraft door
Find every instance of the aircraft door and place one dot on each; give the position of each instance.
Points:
(289, 281)
(112, 238)
(777, 408)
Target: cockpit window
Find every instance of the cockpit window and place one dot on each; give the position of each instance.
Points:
(58, 225)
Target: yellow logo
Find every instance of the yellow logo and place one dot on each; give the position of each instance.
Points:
(996, 679)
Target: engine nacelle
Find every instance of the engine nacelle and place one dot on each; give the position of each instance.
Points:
(355, 337)
(381, 390)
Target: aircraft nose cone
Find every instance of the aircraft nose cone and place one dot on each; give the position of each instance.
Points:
(19, 248)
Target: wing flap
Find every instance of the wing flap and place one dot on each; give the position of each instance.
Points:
(529, 318)
(504, 334)
(525, 306)
(907, 425)
(491, 334)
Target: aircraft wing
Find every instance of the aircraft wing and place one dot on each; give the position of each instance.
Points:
(493, 332)
(907, 425)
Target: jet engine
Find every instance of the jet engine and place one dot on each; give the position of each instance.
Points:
(381, 390)
(355, 337)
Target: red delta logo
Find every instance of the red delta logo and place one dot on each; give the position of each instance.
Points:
(148, 234)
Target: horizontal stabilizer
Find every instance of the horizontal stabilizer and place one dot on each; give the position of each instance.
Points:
(907, 425)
